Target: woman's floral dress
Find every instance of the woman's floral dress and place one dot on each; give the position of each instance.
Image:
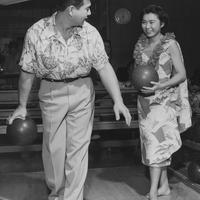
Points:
(165, 114)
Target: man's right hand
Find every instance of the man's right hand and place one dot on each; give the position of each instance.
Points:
(20, 112)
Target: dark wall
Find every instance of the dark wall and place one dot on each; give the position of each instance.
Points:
(184, 16)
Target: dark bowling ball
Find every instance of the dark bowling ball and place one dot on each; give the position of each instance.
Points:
(22, 132)
(194, 171)
(143, 75)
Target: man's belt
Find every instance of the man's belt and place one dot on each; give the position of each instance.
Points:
(66, 80)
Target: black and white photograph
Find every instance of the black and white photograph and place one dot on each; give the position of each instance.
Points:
(99, 100)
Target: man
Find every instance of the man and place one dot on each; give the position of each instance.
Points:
(61, 50)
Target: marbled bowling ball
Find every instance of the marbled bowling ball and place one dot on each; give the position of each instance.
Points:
(143, 75)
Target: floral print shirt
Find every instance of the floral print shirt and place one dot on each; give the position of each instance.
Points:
(48, 55)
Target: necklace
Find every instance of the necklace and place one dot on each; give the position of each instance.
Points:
(153, 59)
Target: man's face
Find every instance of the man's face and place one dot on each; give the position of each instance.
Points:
(80, 15)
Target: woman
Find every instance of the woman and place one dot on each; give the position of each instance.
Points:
(163, 109)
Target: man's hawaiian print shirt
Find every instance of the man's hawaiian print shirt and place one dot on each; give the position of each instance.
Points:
(48, 55)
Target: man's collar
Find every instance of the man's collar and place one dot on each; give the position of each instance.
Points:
(49, 27)
(51, 30)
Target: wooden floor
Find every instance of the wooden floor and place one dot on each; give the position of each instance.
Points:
(116, 183)
(114, 174)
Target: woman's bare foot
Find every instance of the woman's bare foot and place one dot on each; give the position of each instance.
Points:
(153, 196)
(164, 191)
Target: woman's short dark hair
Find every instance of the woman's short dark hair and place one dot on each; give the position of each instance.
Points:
(63, 4)
(157, 10)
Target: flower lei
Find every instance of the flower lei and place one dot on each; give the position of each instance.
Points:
(153, 59)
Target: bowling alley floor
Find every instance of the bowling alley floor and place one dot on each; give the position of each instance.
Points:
(114, 174)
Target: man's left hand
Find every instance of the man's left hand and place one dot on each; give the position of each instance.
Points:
(120, 108)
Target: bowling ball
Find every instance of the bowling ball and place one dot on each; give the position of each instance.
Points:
(22, 131)
(196, 130)
(194, 171)
(143, 75)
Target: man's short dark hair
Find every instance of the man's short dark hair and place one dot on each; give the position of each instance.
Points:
(63, 4)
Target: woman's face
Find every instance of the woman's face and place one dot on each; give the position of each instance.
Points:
(151, 25)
